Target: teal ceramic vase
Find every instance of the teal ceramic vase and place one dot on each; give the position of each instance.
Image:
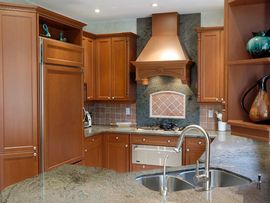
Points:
(259, 45)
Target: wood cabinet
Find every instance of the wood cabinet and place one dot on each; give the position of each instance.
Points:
(114, 73)
(241, 69)
(89, 65)
(192, 150)
(93, 151)
(18, 95)
(211, 82)
(63, 84)
(117, 152)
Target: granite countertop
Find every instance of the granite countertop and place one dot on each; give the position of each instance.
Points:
(72, 183)
(96, 129)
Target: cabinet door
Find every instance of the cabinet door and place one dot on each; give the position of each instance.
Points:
(209, 66)
(16, 167)
(120, 68)
(191, 156)
(18, 82)
(117, 152)
(93, 151)
(63, 136)
(103, 69)
(89, 63)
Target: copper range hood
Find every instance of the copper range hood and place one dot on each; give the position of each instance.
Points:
(163, 54)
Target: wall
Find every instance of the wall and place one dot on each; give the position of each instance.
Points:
(212, 18)
(113, 26)
(188, 37)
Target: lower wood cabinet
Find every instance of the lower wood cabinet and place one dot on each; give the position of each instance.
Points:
(93, 151)
(117, 152)
(143, 167)
(193, 149)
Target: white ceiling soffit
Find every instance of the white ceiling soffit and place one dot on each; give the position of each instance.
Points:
(120, 9)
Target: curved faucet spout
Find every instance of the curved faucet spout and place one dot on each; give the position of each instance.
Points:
(204, 177)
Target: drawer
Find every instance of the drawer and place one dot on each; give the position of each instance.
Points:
(156, 140)
(143, 167)
(195, 143)
(93, 140)
(117, 138)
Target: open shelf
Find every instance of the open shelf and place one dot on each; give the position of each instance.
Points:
(249, 129)
(246, 2)
(258, 61)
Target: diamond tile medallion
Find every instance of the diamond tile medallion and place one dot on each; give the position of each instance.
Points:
(167, 104)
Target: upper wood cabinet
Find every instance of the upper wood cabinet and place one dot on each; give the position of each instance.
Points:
(18, 95)
(114, 73)
(89, 65)
(211, 82)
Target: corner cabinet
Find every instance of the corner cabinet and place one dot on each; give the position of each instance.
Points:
(211, 69)
(18, 95)
(115, 78)
(88, 43)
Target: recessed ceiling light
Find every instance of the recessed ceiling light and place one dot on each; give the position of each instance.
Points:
(154, 4)
(97, 10)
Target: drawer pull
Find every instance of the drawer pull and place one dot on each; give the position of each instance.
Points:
(200, 143)
(116, 138)
(35, 154)
(35, 148)
(187, 150)
(126, 146)
(143, 139)
(143, 166)
(169, 141)
(85, 150)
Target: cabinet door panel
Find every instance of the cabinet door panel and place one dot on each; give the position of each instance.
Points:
(119, 68)
(89, 63)
(209, 66)
(117, 157)
(18, 83)
(63, 136)
(17, 167)
(103, 69)
(93, 151)
(191, 156)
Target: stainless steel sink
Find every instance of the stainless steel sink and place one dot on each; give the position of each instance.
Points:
(218, 178)
(154, 182)
(183, 180)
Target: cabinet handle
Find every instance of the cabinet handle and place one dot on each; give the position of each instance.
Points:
(117, 138)
(35, 154)
(126, 146)
(143, 139)
(187, 150)
(169, 141)
(200, 143)
(85, 150)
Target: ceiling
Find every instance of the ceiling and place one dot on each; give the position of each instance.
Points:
(122, 9)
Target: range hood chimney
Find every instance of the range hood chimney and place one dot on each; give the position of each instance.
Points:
(163, 54)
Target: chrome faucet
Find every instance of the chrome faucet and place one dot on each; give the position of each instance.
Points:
(204, 178)
(164, 187)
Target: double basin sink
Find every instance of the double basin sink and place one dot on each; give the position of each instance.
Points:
(183, 180)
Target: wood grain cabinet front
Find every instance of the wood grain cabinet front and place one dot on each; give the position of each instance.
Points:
(93, 151)
(117, 152)
(211, 68)
(114, 80)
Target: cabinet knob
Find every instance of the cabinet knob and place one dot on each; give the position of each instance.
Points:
(222, 99)
(143, 166)
(187, 150)
(112, 97)
(93, 140)
(200, 143)
(35, 154)
(88, 97)
(126, 146)
(169, 141)
(109, 97)
(85, 150)
(117, 138)
(35, 148)
(217, 99)
(143, 139)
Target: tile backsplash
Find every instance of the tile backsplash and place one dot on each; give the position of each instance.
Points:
(209, 123)
(106, 113)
